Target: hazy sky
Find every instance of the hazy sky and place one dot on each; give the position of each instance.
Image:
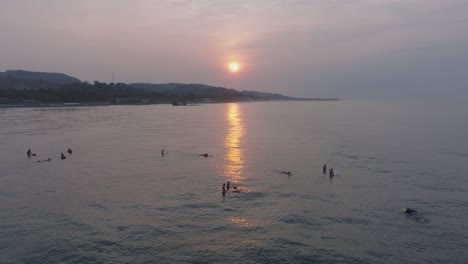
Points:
(313, 48)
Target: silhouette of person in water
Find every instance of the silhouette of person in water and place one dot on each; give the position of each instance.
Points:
(410, 211)
(206, 155)
(162, 152)
(223, 189)
(413, 214)
(332, 174)
(324, 168)
(62, 156)
(228, 185)
(29, 153)
(69, 151)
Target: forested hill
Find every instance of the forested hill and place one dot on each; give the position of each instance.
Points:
(205, 91)
(46, 77)
(18, 86)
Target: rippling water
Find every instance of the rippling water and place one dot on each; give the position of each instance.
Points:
(117, 200)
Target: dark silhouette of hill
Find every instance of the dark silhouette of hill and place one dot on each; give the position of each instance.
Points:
(52, 78)
(270, 96)
(206, 91)
(19, 86)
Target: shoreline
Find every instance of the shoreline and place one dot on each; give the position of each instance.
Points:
(63, 104)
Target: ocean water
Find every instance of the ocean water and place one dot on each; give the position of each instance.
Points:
(117, 200)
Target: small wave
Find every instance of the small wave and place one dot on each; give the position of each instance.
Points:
(288, 242)
(121, 228)
(286, 195)
(142, 232)
(254, 195)
(348, 220)
(106, 243)
(299, 219)
(219, 229)
(99, 206)
(441, 188)
(190, 207)
(383, 171)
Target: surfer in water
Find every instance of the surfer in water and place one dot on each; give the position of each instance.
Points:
(289, 173)
(69, 151)
(162, 152)
(413, 214)
(29, 153)
(223, 189)
(324, 168)
(236, 189)
(332, 174)
(410, 211)
(206, 155)
(62, 156)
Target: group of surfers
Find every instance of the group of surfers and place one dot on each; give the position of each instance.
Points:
(30, 154)
(227, 187)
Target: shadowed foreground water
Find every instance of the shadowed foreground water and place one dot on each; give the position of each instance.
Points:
(117, 200)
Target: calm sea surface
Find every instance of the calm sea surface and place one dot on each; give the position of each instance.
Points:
(117, 200)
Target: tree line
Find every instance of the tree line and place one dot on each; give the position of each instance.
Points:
(82, 92)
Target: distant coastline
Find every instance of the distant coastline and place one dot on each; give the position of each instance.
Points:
(85, 104)
(40, 89)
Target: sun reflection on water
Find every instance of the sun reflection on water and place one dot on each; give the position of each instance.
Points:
(234, 158)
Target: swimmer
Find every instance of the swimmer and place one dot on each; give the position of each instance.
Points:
(162, 152)
(228, 185)
(332, 174)
(206, 155)
(413, 214)
(223, 189)
(289, 173)
(69, 151)
(29, 153)
(62, 156)
(324, 168)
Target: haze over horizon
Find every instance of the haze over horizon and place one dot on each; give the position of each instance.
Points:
(307, 48)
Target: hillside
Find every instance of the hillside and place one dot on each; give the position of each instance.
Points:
(52, 78)
(18, 86)
(206, 91)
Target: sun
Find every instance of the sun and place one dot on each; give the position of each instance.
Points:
(234, 66)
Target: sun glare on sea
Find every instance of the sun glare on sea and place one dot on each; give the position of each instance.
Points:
(233, 66)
